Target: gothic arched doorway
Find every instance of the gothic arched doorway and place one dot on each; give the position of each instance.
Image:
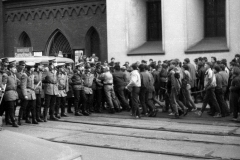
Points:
(24, 40)
(93, 44)
(58, 43)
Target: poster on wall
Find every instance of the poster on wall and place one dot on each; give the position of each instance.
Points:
(78, 55)
(23, 51)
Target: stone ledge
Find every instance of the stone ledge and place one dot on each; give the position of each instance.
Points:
(209, 45)
(148, 48)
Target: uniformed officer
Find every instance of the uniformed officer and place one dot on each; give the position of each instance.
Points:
(19, 74)
(77, 85)
(3, 79)
(63, 87)
(11, 94)
(50, 90)
(70, 97)
(28, 92)
(38, 89)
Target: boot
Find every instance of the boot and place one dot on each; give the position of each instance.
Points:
(38, 117)
(85, 113)
(58, 116)
(78, 114)
(34, 121)
(27, 120)
(45, 114)
(53, 118)
(14, 124)
(63, 115)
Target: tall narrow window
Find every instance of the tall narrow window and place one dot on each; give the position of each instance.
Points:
(215, 21)
(24, 40)
(154, 21)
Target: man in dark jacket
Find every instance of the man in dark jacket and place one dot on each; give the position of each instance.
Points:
(120, 82)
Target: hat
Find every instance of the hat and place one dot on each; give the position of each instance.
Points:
(60, 65)
(12, 62)
(38, 64)
(5, 60)
(52, 61)
(20, 63)
(30, 64)
(68, 63)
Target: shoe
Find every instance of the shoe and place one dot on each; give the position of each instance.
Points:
(155, 113)
(199, 113)
(58, 116)
(64, 115)
(28, 121)
(8, 122)
(69, 111)
(176, 116)
(34, 121)
(39, 120)
(218, 115)
(180, 112)
(78, 114)
(14, 124)
(171, 114)
(112, 111)
(53, 118)
(19, 123)
(85, 113)
(185, 113)
(193, 110)
(234, 119)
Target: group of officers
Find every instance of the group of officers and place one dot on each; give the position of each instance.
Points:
(93, 86)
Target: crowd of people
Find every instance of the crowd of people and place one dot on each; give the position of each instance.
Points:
(91, 87)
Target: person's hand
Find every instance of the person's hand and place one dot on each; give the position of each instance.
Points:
(26, 97)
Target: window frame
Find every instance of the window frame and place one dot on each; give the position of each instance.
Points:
(158, 21)
(215, 17)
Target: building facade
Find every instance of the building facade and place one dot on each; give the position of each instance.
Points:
(50, 26)
(129, 30)
(168, 29)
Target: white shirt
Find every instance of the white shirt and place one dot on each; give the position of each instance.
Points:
(135, 80)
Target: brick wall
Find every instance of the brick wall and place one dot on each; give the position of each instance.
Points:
(39, 21)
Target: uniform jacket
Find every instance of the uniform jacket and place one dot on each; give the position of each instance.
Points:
(19, 75)
(27, 86)
(38, 78)
(51, 87)
(11, 88)
(77, 81)
(63, 86)
(88, 81)
(3, 80)
(70, 75)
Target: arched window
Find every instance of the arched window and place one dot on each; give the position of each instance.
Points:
(58, 42)
(24, 40)
(93, 43)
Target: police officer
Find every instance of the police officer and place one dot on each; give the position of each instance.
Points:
(77, 85)
(70, 97)
(3, 79)
(38, 89)
(50, 90)
(28, 92)
(62, 81)
(11, 94)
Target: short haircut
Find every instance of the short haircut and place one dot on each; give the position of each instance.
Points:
(217, 68)
(187, 60)
(153, 65)
(173, 63)
(214, 58)
(186, 67)
(222, 67)
(134, 66)
(141, 67)
(117, 67)
(112, 58)
(209, 64)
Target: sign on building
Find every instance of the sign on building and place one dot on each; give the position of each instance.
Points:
(23, 51)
